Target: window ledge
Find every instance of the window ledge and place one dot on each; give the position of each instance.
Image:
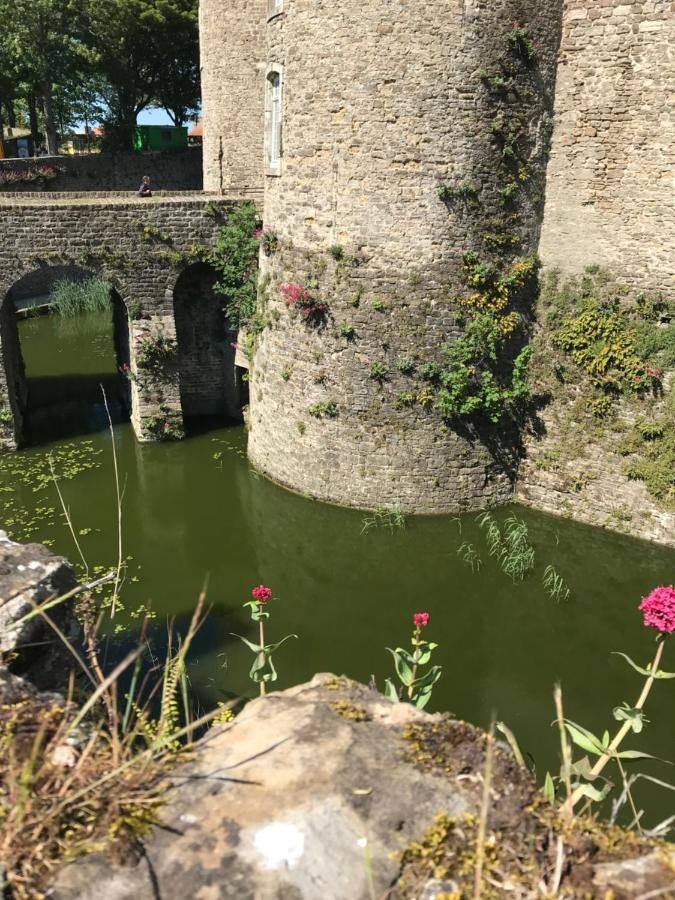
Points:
(273, 171)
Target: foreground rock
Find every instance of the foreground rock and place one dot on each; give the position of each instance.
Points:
(29, 575)
(310, 793)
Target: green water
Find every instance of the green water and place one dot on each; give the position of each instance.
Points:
(196, 509)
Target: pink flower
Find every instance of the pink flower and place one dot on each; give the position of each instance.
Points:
(261, 593)
(421, 620)
(659, 609)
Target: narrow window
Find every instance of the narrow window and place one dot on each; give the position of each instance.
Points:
(274, 147)
(274, 7)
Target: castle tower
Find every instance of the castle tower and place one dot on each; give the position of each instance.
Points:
(232, 50)
(387, 127)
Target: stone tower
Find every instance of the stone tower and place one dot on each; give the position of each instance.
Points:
(378, 132)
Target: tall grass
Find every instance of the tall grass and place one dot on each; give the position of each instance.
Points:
(74, 779)
(70, 298)
(510, 545)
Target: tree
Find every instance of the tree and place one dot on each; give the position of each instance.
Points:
(39, 35)
(140, 47)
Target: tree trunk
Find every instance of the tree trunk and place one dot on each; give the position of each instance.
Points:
(33, 120)
(50, 124)
(11, 113)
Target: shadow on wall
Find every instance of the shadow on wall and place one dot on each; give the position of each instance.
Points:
(211, 384)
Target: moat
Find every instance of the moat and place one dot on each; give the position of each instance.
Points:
(196, 511)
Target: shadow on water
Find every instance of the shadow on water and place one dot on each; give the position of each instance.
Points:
(63, 406)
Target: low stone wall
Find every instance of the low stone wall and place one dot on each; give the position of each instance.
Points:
(179, 170)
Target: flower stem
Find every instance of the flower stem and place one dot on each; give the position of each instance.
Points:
(263, 690)
(415, 643)
(625, 728)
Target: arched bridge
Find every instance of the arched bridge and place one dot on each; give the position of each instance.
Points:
(169, 328)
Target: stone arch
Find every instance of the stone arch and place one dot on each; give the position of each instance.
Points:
(31, 283)
(211, 383)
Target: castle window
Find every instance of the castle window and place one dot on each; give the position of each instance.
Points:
(274, 7)
(273, 149)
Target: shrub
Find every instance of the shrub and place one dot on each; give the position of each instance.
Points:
(310, 306)
(405, 366)
(236, 259)
(35, 174)
(378, 372)
(327, 408)
(155, 350)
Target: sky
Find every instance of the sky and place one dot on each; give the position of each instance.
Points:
(154, 117)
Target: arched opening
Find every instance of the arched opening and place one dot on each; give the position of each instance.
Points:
(211, 383)
(64, 336)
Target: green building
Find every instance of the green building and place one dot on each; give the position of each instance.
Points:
(160, 137)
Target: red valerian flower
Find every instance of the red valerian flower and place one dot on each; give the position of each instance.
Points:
(421, 620)
(261, 593)
(659, 609)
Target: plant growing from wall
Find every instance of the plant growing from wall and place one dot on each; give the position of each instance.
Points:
(235, 257)
(327, 408)
(305, 301)
(166, 425)
(155, 351)
(378, 372)
(35, 174)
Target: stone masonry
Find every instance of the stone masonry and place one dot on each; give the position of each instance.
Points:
(369, 134)
(144, 249)
(610, 196)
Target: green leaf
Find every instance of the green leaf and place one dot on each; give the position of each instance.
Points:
(263, 669)
(403, 662)
(257, 611)
(424, 686)
(423, 652)
(584, 738)
(390, 691)
(549, 788)
(646, 672)
(587, 790)
(271, 648)
(638, 754)
(255, 647)
(636, 717)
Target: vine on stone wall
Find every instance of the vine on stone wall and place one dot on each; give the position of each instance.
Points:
(483, 373)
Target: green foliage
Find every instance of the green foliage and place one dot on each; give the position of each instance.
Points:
(384, 517)
(555, 585)
(405, 365)
(416, 686)
(379, 305)
(406, 400)
(327, 408)
(471, 381)
(337, 252)
(600, 340)
(166, 425)
(70, 298)
(235, 258)
(522, 45)
(465, 192)
(155, 350)
(652, 458)
(347, 331)
(510, 544)
(378, 372)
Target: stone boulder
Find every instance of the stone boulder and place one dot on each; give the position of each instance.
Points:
(29, 575)
(328, 791)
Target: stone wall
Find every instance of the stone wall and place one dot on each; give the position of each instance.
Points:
(610, 196)
(232, 35)
(591, 488)
(142, 249)
(169, 171)
(369, 134)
